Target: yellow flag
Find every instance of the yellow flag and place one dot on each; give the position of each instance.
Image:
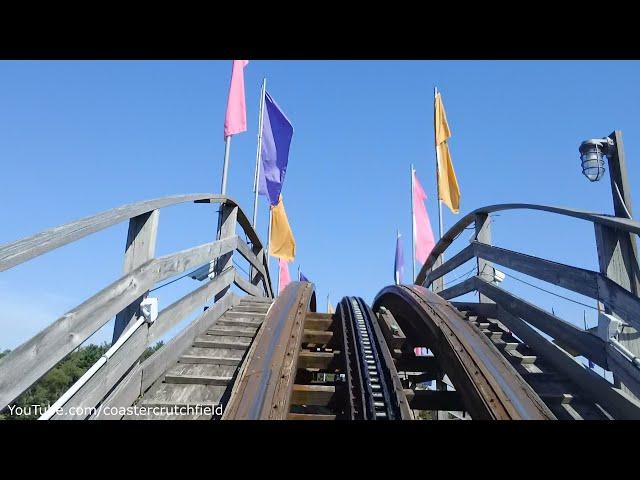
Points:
(330, 308)
(281, 241)
(448, 188)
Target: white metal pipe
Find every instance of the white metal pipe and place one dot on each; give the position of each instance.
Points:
(91, 372)
(624, 351)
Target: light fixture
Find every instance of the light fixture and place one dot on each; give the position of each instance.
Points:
(592, 154)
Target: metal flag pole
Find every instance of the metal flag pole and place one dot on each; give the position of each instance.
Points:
(440, 385)
(399, 268)
(225, 167)
(258, 153)
(299, 273)
(440, 220)
(269, 238)
(278, 277)
(413, 233)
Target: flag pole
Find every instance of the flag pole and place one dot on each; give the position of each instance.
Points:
(298, 272)
(267, 248)
(440, 221)
(413, 233)
(258, 153)
(398, 270)
(225, 166)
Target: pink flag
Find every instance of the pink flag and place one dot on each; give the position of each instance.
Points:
(284, 278)
(236, 119)
(422, 226)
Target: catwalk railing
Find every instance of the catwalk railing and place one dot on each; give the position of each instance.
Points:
(23, 366)
(615, 287)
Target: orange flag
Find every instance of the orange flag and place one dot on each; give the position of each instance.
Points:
(448, 188)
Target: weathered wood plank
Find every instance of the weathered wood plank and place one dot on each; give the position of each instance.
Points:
(216, 341)
(124, 395)
(318, 337)
(212, 355)
(575, 279)
(228, 221)
(20, 251)
(133, 384)
(459, 289)
(321, 360)
(28, 362)
(627, 372)
(178, 310)
(244, 250)
(309, 416)
(321, 395)
(318, 323)
(161, 360)
(140, 248)
(627, 225)
(390, 329)
(248, 332)
(620, 301)
(454, 262)
(246, 286)
(183, 395)
(200, 373)
(618, 403)
(587, 344)
(487, 310)
(483, 237)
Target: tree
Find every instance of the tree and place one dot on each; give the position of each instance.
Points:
(61, 377)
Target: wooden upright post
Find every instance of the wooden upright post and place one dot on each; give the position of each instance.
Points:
(228, 221)
(485, 268)
(438, 284)
(617, 250)
(141, 247)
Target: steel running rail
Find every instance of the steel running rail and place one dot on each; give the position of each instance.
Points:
(378, 402)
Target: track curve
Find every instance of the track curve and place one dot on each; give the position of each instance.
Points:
(490, 387)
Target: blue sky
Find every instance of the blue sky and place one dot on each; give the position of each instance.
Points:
(79, 137)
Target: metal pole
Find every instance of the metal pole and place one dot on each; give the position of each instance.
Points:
(397, 272)
(268, 246)
(413, 234)
(278, 277)
(440, 222)
(258, 153)
(269, 232)
(225, 167)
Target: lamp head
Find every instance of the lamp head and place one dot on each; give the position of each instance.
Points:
(592, 153)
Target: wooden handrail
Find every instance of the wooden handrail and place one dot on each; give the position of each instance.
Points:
(35, 357)
(623, 224)
(617, 298)
(20, 251)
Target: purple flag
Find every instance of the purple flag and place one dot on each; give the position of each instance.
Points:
(398, 266)
(276, 139)
(302, 277)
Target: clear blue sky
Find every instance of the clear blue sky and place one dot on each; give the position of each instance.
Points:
(80, 137)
